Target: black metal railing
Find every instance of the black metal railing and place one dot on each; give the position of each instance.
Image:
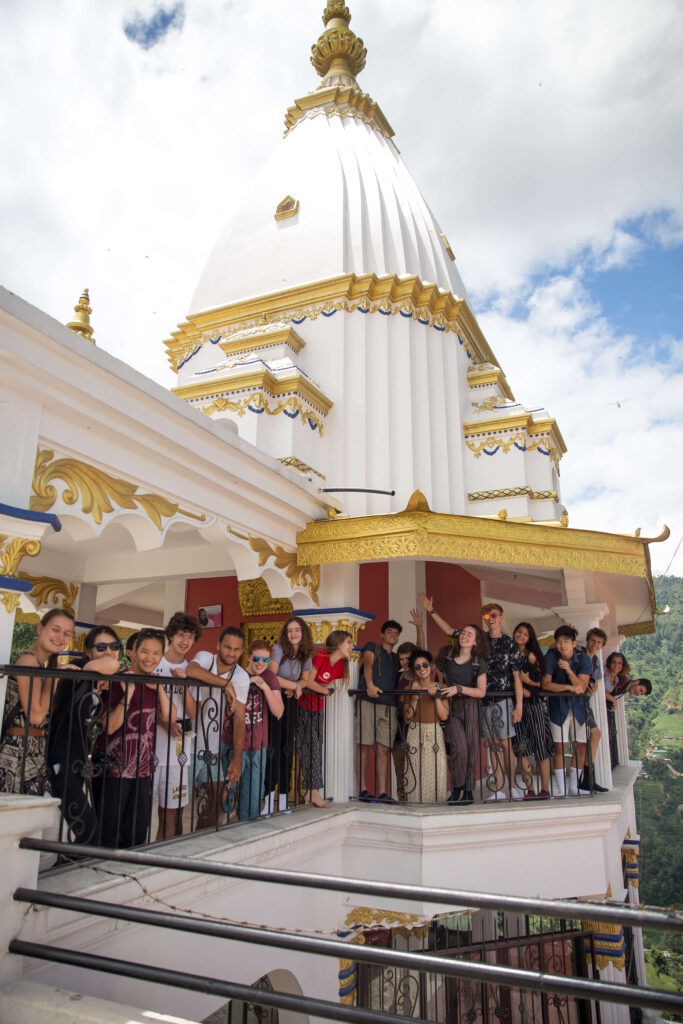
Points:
(485, 957)
(476, 755)
(126, 774)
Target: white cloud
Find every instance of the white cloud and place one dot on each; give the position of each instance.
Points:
(537, 134)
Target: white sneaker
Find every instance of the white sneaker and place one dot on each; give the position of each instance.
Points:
(573, 790)
(498, 795)
(516, 794)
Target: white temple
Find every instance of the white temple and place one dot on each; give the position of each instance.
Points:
(330, 353)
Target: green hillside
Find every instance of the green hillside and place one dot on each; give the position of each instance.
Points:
(655, 727)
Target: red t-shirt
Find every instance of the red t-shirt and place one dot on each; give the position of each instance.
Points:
(130, 750)
(325, 674)
(255, 716)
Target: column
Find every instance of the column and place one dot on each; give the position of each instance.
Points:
(339, 726)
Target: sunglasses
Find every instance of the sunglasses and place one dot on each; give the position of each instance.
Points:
(422, 664)
(112, 645)
(257, 657)
(151, 634)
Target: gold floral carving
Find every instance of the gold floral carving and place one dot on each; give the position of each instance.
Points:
(255, 599)
(10, 599)
(494, 441)
(489, 404)
(13, 551)
(99, 492)
(368, 918)
(268, 631)
(321, 630)
(299, 575)
(256, 403)
(48, 590)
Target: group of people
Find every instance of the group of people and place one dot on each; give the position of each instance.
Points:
(184, 728)
(201, 729)
(432, 713)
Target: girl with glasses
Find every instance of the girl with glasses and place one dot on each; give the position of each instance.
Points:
(423, 713)
(331, 664)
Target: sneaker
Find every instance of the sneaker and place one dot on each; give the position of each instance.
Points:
(530, 794)
(516, 794)
(599, 789)
(365, 796)
(498, 795)
(456, 795)
(384, 798)
(543, 794)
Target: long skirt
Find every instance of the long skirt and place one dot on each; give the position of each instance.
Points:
(309, 745)
(533, 737)
(426, 764)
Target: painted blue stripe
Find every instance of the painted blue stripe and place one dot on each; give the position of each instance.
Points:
(334, 611)
(30, 516)
(329, 313)
(496, 449)
(188, 357)
(11, 583)
(407, 315)
(300, 320)
(521, 447)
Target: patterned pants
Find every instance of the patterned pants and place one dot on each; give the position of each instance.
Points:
(309, 743)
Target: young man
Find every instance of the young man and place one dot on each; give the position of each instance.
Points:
(501, 712)
(566, 675)
(173, 755)
(376, 710)
(218, 772)
(632, 688)
(595, 641)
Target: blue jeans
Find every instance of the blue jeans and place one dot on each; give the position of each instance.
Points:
(251, 782)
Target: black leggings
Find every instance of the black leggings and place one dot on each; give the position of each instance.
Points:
(281, 738)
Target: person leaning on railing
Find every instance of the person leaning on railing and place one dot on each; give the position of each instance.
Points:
(75, 711)
(423, 712)
(464, 662)
(125, 790)
(26, 717)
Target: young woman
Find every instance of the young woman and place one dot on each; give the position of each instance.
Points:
(23, 749)
(464, 664)
(74, 729)
(426, 749)
(130, 716)
(264, 700)
(533, 737)
(398, 751)
(330, 665)
(293, 667)
(617, 675)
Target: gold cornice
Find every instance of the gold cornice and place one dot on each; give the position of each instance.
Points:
(469, 538)
(256, 342)
(253, 380)
(255, 599)
(482, 375)
(299, 575)
(339, 101)
(474, 428)
(637, 628)
(345, 292)
(548, 426)
(98, 491)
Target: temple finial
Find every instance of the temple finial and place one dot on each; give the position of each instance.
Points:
(81, 322)
(339, 55)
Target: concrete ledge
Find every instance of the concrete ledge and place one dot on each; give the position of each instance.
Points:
(28, 1002)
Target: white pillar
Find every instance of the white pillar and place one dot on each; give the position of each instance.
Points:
(406, 580)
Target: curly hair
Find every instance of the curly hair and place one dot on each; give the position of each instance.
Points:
(305, 648)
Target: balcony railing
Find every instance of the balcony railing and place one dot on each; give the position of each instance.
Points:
(124, 779)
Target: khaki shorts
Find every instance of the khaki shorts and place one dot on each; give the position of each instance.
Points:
(375, 723)
(569, 731)
(496, 720)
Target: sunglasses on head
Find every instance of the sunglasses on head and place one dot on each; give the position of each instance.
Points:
(422, 664)
(148, 634)
(260, 657)
(111, 645)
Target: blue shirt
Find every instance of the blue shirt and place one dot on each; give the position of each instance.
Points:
(561, 704)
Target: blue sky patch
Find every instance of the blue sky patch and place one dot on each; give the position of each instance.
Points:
(147, 32)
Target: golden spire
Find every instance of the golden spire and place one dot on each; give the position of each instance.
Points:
(81, 322)
(339, 55)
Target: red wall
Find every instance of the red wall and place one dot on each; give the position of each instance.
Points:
(217, 590)
(373, 590)
(457, 598)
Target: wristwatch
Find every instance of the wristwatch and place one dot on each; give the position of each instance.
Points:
(458, 688)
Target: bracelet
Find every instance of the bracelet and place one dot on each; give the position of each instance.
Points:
(433, 611)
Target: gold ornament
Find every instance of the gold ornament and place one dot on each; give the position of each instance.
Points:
(255, 599)
(10, 599)
(48, 590)
(298, 575)
(98, 491)
(13, 551)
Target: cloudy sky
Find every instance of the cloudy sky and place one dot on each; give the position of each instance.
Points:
(546, 135)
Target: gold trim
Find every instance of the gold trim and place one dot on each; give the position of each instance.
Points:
(255, 599)
(10, 599)
(276, 387)
(447, 246)
(31, 618)
(487, 373)
(255, 403)
(287, 207)
(345, 292)
(256, 342)
(13, 551)
(637, 628)
(492, 441)
(298, 575)
(97, 490)
(475, 428)
(505, 492)
(432, 535)
(48, 589)
(301, 467)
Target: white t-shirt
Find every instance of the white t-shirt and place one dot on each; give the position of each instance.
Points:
(213, 700)
(179, 754)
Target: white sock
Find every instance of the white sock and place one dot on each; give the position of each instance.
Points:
(269, 803)
(282, 802)
(573, 782)
(560, 780)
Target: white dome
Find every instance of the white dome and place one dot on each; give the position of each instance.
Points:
(359, 212)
